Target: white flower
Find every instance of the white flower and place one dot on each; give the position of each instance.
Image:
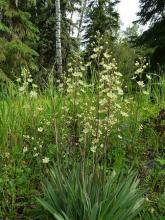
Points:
(33, 94)
(106, 55)
(22, 89)
(30, 80)
(138, 71)
(77, 74)
(88, 64)
(93, 56)
(26, 136)
(25, 149)
(96, 49)
(148, 77)
(45, 160)
(145, 93)
(48, 123)
(141, 127)
(137, 63)
(93, 149)
(134, 77)
(118, 74)
(124, 114)
(36, 154)
(19, 80)
(34, 85)
(118, 106)
(141, 84)
(120, 91)
(40, 109)
(40, 129)
(119, 136)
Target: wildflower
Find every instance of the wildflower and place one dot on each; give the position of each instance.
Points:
(45, 160)
(40, 109)
(96, 49)
(134, 77)
(25, 149)
(26, 136)
(93, 149)
(120, 91)
(152, 210)
(33, 94)
(34, 85)
(36, 154)
(21, 89)
(145, 93)
(78, 74)
(7, 154)
(138, 71)
(40, 129)
(93, 56)
(124, 114)
(118, 74)
(137, 63)
(119, 136)
(148, 77)
(88, 64)
(141, 84)
(30, 80)
(141, 127)
(118, 106)
(106, 55)
(70, 70)
(19, 80)
(48, 123)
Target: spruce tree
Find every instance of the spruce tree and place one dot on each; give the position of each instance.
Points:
(17, 38)
(153, 12)
(102, 17)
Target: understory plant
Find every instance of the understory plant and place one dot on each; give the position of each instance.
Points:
(79, 194)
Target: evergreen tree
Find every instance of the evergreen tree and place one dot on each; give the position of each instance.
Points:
(17, 38)
(101, 17)
(44, 17)
(153, 11)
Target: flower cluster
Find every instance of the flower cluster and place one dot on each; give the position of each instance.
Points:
(26, 84)
(139, 75)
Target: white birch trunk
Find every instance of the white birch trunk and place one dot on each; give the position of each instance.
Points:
(58, 38)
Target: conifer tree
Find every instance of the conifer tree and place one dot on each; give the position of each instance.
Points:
(102, 17)
(153, 12)
(17, 38)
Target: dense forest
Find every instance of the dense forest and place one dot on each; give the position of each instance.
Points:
(82, 111)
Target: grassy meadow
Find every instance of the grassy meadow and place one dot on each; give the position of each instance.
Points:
(83, 148)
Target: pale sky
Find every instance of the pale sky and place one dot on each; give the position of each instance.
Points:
(128, 10)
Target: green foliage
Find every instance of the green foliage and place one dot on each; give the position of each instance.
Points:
(98, 124)
(18, 36)
(153, 11)
(43, 16)
(103, 18)
(77, 194)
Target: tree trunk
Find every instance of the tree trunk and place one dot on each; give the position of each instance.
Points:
(58, 38)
